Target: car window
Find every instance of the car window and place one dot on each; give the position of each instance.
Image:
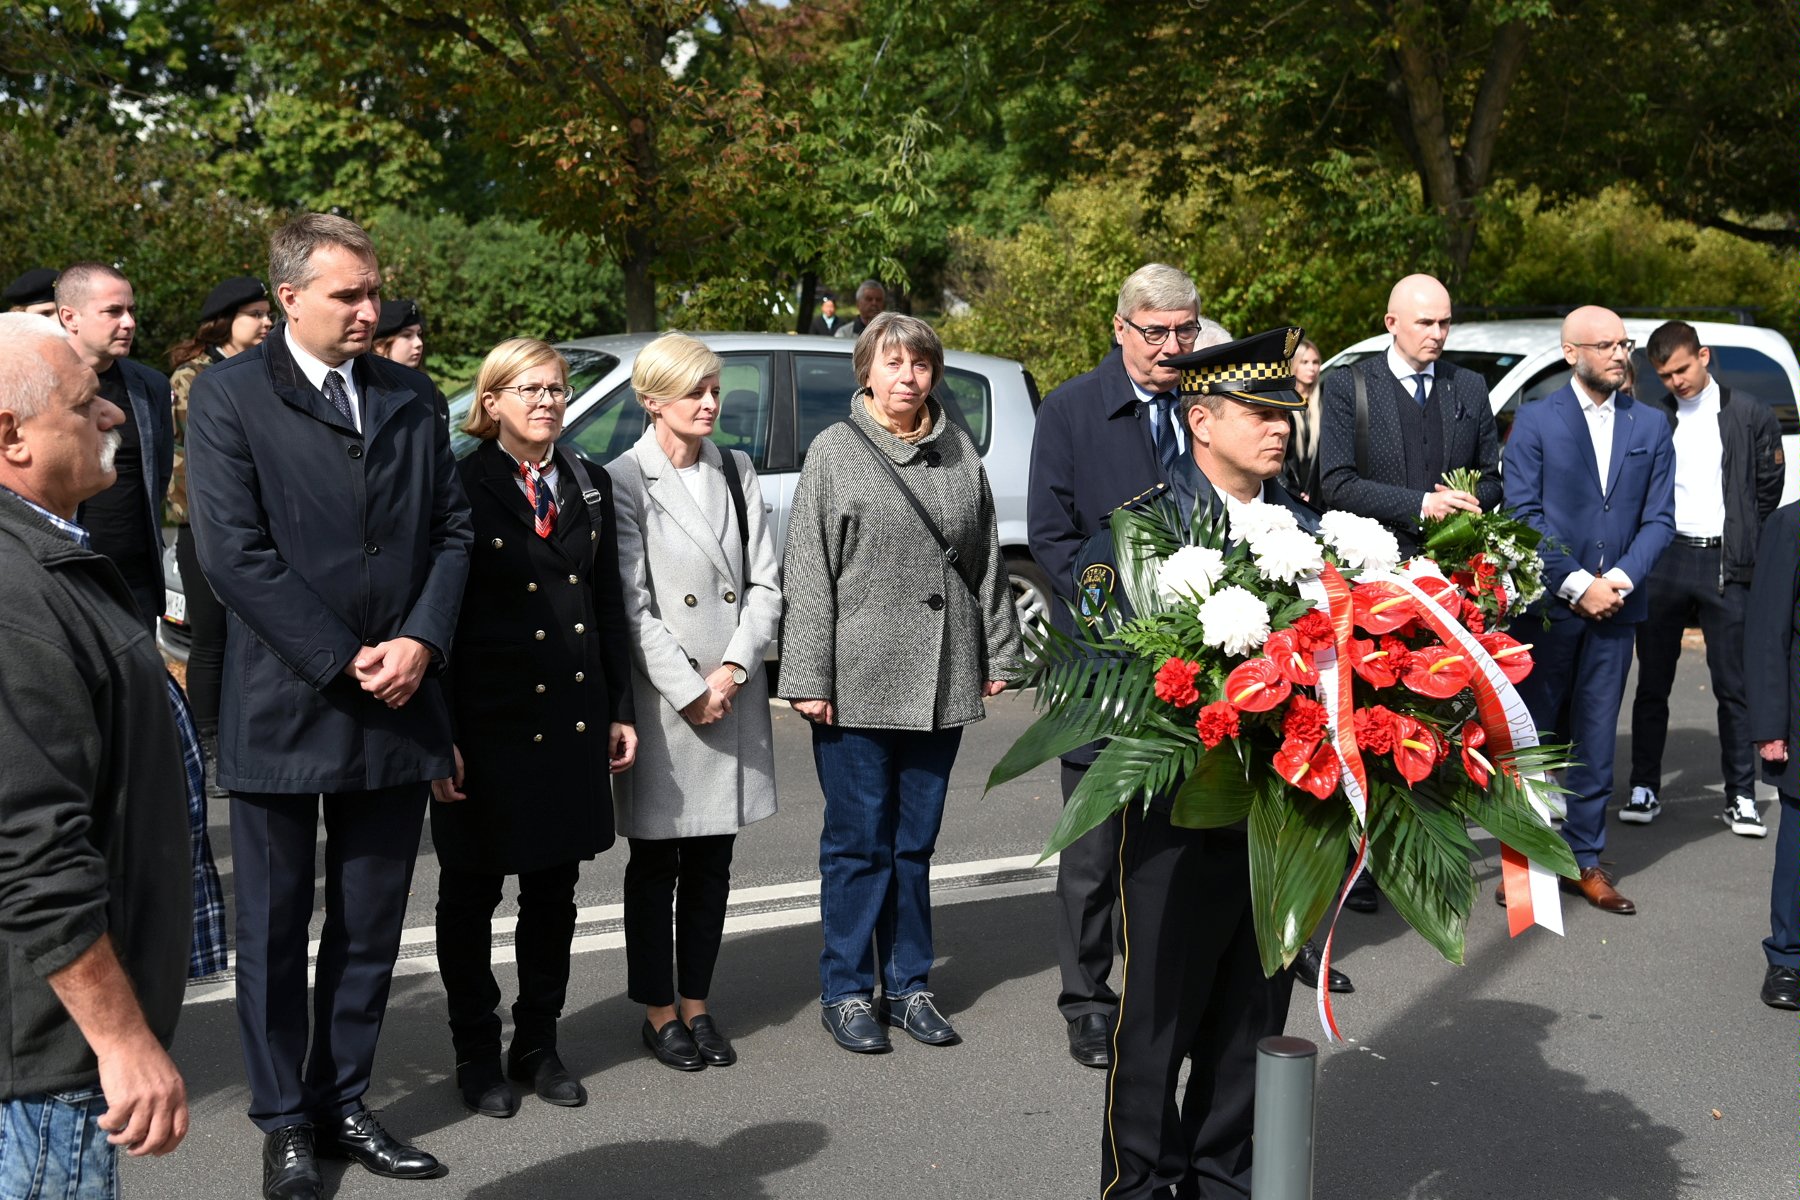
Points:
(824, 384)
(972, 399)
(585, 369)
(613, 426)
(1550, 378)
(1740, 369)
(1491, 367)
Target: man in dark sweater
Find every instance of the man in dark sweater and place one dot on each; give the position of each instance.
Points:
(97, 306)
(94, 880)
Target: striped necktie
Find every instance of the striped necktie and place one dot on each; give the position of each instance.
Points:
(543, 505)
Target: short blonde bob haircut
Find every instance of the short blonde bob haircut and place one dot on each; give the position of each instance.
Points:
(503, 364)
(672, 366)
(891, 329)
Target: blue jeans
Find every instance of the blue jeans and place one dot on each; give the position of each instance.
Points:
(884, 802)
(52, 1146)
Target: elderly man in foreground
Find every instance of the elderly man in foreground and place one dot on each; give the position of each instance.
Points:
(94, 899)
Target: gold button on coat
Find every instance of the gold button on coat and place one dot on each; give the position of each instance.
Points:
(574, 579)
(580, 628)
(539, 635)
(531, 587)
(731, 597)
(580, 675)
(540, 688)
(581, 727)
(499, 542)
(689, 601)
(537, 737)
(593, 536)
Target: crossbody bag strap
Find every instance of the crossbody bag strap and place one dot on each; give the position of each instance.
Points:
(596, 504)
(735, 483)
(1362, 420)
(949, 552)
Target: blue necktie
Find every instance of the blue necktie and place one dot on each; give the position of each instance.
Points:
(1162, 433)
(339, 395)
(1419, 394)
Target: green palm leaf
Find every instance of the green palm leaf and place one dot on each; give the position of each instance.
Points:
(1128, 769)
(1506, 812)
(1296, 863)
(1420, 854)
(1218, 792)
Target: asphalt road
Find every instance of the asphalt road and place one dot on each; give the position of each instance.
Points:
(1587, 1066)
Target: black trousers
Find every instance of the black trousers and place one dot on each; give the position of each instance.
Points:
(1087, 897)
(541, 939)
(1191, 987)
(675, 895)
(206, 625)
(1684, 587)
(371, 840)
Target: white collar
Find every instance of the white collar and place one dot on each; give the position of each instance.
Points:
(1706, 397)
(1587, 402)
(1403, 370)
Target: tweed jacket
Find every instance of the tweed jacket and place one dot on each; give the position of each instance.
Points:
(877, 621)
(693, 603)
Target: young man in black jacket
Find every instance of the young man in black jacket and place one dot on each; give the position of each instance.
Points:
(1728, 475)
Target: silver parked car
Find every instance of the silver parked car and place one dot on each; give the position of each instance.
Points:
(776, 393)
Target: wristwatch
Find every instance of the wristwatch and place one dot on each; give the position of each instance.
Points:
(739, 676)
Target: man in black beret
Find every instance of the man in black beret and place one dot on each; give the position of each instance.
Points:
(32, 292)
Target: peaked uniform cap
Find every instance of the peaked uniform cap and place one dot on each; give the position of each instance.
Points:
(1257, 369)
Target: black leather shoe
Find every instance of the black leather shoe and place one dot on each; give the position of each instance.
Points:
(1306, 970)
(546, 1075)
(1364, 896)
(361, 1139)
(851, 1022)
(1090, 1040)
(920, 1018)
(712, 1044)
(674, 1046)
(1781, 987)
(485, 1091)
(290, 1172)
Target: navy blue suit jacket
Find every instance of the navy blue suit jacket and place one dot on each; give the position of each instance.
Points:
(1553, 484)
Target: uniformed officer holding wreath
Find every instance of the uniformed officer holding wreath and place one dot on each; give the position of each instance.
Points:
(1193, 986)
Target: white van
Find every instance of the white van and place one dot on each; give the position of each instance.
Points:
(1522, 361)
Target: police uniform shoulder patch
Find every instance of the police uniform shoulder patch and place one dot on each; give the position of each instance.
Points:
(1098, 582)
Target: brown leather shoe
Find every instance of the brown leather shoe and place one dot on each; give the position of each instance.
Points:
(1597, 888)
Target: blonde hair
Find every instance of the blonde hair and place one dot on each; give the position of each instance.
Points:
(672, 366)
(507, 361)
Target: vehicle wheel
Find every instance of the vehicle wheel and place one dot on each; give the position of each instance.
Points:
(1031, 593)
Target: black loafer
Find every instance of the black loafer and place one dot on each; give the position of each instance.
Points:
(920, 1018)
(852, 1024)
(674, 1046)
(1090, 1040)
(544, 1072)
(712, 1044)
(361, 1139)
(1364, 896)
(1306, 970)
(1781, 987)
(485, 1091)
(290, 1172)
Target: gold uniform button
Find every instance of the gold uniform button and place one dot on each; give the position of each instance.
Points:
(689, 601)
(540, 688)
(498, 542)
(537, 737)
(580, 675)
(581, 727)
(574, 579)
(539, 635)
(580, 628)
(593, 536)
(531, 587)
(731, 597)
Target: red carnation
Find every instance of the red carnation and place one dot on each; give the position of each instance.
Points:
(1304, 720)
(1473, 618)
(1397, 653)
(1376, 729)
(1217, 721)
(1175, 683)
(1315, 630)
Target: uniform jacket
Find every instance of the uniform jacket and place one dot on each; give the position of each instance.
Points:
(1772, 645)
(93, 807)
(1751, 471)
(694, 603)
(321, 540)
(542, 667)
(1553, 484)
(1409, 449)
(151, 406)
(877, 621)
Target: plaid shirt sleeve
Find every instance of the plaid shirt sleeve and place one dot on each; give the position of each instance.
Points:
(208, 953)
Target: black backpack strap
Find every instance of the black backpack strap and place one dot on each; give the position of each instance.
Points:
(937, 535)
(596, 503)
(1362, 420)
(735, 482)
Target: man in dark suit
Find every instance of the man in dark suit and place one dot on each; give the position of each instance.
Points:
(97, 306)
(1103, 438)
(1594, 471)
(1421, 416)
(871, 302)
(826, 322)
(331, 523)
(1772, 684)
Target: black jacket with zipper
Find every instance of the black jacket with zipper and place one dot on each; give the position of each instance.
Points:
(1752, 472)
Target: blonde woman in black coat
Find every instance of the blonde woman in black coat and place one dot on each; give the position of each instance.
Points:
(540, 693)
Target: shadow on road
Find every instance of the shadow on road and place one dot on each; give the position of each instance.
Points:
(734, 1168)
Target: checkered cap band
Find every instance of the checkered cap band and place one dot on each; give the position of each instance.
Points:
(1233, 377)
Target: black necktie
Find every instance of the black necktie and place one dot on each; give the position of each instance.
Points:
(339, 395)
(1162, 432)
(1419, 394)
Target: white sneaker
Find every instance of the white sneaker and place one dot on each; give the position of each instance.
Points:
(1740, 814)
(1642, 808)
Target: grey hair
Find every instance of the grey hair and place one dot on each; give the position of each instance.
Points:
(1211, 334)
(870, 285)
(27, 380)
(910, 333)
(1158, 287)
(291, 247)
(76, 283)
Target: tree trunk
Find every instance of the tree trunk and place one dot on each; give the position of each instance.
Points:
(638, 263)
(809, 286)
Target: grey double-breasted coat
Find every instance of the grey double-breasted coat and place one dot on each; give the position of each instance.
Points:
(693, 603)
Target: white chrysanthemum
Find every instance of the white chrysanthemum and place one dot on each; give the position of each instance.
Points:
(1360, 542)
(1416, 569)
(1191, 573)
(1252, 521)
(1234, 620)
(1286, 555)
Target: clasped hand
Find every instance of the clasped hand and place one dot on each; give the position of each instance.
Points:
(1603, 598)
(391, 670)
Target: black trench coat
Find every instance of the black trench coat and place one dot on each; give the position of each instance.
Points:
(542, 665)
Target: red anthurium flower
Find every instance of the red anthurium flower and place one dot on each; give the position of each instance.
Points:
(1291, 657)
(1439, 672)
(1175, 683)
(1256, 686)
(1382, 606)
(1513, 658)
(1216, 722)
(1376, 664)
(1474, 762)
(1311, 768)
(1441, 591)
(1415, 750)
(1315, 630)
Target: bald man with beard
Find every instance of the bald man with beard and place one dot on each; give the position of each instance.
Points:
(1395, 423)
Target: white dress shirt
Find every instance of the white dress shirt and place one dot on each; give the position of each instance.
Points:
(1699, 465)
(314, 369)
(1408, 375)
(1599, 415)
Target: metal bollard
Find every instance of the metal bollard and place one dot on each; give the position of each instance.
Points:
(1286, 1079)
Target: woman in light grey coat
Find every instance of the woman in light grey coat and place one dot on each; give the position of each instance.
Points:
(702, 596)
(890, 647)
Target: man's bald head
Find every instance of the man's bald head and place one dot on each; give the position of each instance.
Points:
(1418, 315)
(1596, 349)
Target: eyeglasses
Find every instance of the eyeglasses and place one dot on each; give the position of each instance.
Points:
(534, 394)
(1605, 349)
(1156, 335)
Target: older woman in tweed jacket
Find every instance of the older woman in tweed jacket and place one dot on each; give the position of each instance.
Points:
(889, 649)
